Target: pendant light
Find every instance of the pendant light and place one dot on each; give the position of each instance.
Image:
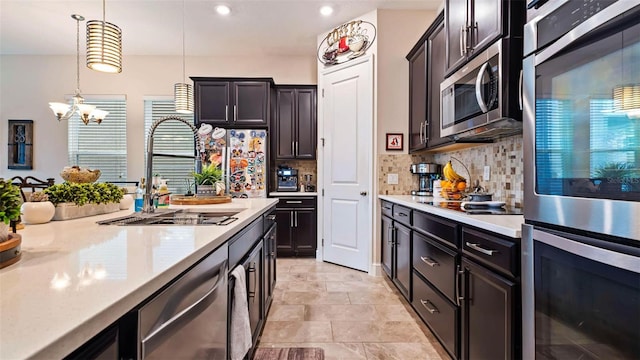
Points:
(62, 110)
(183, 92)
(626, 98)
(104, 45)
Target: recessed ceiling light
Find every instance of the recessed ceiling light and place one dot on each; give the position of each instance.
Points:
(326, 10)
(223, 9)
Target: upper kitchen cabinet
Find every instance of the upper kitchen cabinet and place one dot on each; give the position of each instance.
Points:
(295, 122)
(426, 72)
(472, 25)
(232, 102)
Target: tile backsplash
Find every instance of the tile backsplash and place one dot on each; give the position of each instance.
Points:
(303, 167)
(504, 157)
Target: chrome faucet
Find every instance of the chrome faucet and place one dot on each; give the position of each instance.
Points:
(148, 195)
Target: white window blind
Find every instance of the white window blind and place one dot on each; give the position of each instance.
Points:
(101, 146)
(170, 138)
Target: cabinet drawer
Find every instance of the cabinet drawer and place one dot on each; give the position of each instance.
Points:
(387, 208)
(296, 202)
(441, 229)
(402, 214)
(439, 314)
(436, 263)
(496, 252)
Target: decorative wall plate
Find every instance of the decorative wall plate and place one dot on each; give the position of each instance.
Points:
(347, 41)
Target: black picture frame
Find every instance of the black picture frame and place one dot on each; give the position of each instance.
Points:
(395, 142)
(20, 145)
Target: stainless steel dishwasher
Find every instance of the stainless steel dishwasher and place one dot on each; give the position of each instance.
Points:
(188, 319)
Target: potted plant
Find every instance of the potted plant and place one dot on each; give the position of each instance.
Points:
(38, 210)
(614, 174)
(10, 200)
(73, 200)
(208, 180)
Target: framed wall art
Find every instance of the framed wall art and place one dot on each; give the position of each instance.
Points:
(394, 142)
(20, 151)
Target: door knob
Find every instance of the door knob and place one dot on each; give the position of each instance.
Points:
(363, 193)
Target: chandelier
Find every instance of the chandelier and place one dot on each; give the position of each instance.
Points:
(64, 111)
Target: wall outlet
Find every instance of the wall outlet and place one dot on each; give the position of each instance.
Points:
(392, 179)
(487, 173)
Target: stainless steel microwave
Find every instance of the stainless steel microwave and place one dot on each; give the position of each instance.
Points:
(482, 100)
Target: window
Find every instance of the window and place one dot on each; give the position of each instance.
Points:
(173, 144)
(101, 146)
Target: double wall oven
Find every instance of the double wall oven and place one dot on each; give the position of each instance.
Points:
(581, 238)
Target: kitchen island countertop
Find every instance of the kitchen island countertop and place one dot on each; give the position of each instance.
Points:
(507, 225)
(76, 277)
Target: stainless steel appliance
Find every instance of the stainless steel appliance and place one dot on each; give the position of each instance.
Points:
(581, 241)
(188, 320)
(287, 179)
(427, 174)
(481, 101)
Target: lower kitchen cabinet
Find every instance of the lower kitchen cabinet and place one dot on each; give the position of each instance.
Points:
(402, 244)
(269, 241)
(387, 245)
(297, 229)
(488, 314)
(396, 246)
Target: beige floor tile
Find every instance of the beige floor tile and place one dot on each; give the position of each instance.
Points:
(391, 312)
(281, 312)
(379, 296)
(308, 298)
(376, 331)
(288, 276)
(332, 351)
(338, 276)
(296, 331)
(340, 312)
(401, 351)
(311, 286)
(354, 286)
(317, 268)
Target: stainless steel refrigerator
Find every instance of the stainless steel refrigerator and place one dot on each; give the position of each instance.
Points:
(242, 154)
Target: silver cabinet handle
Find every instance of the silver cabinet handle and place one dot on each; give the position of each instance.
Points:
(386, 208)
(296, 217)
(235, 113)
(432, 310)
(429, 261)
(291, 219)
(479, 99)
(402, 214)
(271, 217)
(294, 201)
(296, 152)
(457, 279)
(363, 193)
(463, 48)
(390, 232)
(226, 113)
(520, 90)
(421, 125)
(481, 249)
(293, 149)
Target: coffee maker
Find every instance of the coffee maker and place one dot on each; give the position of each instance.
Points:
(287, 179)
(427, 173)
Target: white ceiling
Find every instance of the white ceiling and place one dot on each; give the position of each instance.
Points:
(154, 27)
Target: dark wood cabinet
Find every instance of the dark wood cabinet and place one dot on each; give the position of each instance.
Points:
(436, 50)
(387, 245)
(296, 219)
(229, 102)
(295, 122)
(426, 72)
(488, 314)
(472, 25)
(269, 243)
(402, 251)
(418, 96)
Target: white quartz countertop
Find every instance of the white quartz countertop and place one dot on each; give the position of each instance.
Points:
(508, 225)
(293, 193)
(77, 277)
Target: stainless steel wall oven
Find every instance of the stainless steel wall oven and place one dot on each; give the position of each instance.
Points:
(581, 238)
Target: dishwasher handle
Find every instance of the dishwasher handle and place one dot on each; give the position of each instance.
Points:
(163, 330)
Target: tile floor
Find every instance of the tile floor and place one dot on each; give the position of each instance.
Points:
(351, 315)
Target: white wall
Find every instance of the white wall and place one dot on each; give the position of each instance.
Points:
(29, 83)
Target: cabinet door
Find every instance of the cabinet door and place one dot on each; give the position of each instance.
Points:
(488, 318)
(251, 103)
(455, 14)
(387, 244)
(255, 295)
(269, 274)
(285, 123)
(417, 99)
(304, 232)
(486, 25)
(436, 51)
(212, 102)
(402, 277)
(284, 223)
(306, 124)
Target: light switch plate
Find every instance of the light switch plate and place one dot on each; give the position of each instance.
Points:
(487, 173)
(392, 179)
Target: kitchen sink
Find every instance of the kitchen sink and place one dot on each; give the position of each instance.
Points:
(175, 217)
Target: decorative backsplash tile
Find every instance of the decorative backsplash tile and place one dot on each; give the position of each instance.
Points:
(303, 167)
(504, 158)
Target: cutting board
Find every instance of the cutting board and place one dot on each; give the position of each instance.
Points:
(199, 200)
(10, 250)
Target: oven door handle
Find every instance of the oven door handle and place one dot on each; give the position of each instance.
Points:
(161, 331)
(481, 103)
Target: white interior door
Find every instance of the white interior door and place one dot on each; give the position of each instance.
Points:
(348, 134)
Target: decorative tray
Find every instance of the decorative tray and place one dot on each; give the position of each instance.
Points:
(199, 200)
